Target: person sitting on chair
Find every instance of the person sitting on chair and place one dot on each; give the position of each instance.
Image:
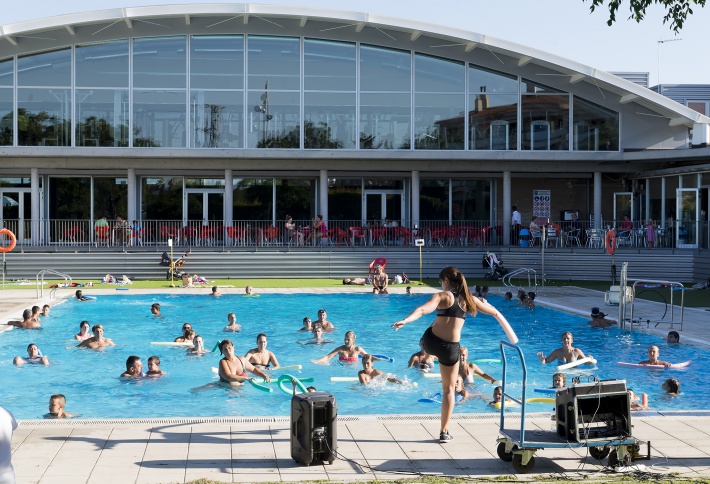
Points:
(379, 281)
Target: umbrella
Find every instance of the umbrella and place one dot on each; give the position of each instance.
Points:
(9, 202)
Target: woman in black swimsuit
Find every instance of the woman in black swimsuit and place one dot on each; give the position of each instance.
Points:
(441, 339)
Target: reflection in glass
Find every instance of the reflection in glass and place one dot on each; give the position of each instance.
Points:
(328, 65)
(385, 69)
(102, 117)
(159, 119)
(434, 200)
(44, 117)
(493, 121)
(159, 62)
(595, 128)
(253, 198)
(529, 87)
(470, 200)
(110, 198)
(7, 76)
(217, 62)
(69, 198)
(46, 69)
(162, 198)
(345, 199)
(433, 74)
(216, 119)
(329, 120)
(276, 60)
(273, 119)
(6, 117)
(385, 121)
(439, 122)
(545, 124)
(102, 65)
(295, 198)
(484, 80)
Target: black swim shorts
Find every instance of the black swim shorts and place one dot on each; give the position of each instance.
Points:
(448, 353)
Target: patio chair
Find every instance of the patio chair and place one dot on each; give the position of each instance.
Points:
(358, 233)
(236, 235)
(103, 235)
(380, 261)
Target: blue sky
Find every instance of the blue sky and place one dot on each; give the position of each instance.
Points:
(562, 27)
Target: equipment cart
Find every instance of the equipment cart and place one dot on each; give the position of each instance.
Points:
(595, 415)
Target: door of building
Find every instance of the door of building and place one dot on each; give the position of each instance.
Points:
(16, 212)
(687, 218)
(381, 205)
(623, 206)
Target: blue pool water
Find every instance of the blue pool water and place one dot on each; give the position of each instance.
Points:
(90, 380)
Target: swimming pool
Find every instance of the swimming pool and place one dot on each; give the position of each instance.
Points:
(90, 380)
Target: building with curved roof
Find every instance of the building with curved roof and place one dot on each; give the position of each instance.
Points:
(211, 123)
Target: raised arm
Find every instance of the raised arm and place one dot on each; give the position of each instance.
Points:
(426, 308)
(327, 357)
(482, 373)
(550, 358)
(484, 307)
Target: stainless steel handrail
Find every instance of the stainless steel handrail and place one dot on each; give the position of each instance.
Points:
(506, 278)
(40, 287)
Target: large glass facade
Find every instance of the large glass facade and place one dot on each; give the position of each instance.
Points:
(162, 198)
(434, 200)
(253, 199)
(267, 91)
(69, 198)
(110, 197)
(295, 197)
(345, 199)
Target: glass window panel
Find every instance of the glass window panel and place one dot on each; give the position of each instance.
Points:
(7, 76)
(6, 117)
(296, 197)
(16, 182)
(470, 200)
(274, 119)
(102, 117)
(385, 69)
(493, 121)
(328, 66)
(102, 65)
(545, 121)
(385, 121)
(110, 198)
(159, 62)
(217, 119)
(439, 122)
(253, 199)
(483, 80)
(159, 119)
(595, 128)
(47, 69)
(217, 62)
(162, 198)
(44, 117)
(535, 88)
(432, 74)
(69, 199)
(345, 200)
(384, 184)
(204, 182)
(329, 120)
(274, 62)
(433, 201)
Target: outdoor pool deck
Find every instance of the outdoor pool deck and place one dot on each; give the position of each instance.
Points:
(257, 449)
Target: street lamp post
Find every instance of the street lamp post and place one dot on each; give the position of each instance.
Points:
(264, 109)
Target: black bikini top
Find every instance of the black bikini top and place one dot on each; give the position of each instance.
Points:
(453, 311)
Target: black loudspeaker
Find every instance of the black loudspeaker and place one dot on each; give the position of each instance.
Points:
(595, 410)
(313, 427)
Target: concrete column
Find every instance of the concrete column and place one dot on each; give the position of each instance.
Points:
(132, 197)
(597, 200)
(37, 236)
(415, 199)
(228, 198)
(323, 198)
(663, 202)
(648, 200)
(507, 207)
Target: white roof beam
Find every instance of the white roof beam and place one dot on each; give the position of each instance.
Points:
(359, 26)
(70, 29)
(470, 46)
(524, 61)
(678, 121)
(246, 18)
(575, 78)
(626, 99)
(10, 39)
(129, 22)
(415, 35)
(303, 21)
(187, 20)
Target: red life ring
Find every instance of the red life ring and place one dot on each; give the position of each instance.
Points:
(13, 240)
(610, 242)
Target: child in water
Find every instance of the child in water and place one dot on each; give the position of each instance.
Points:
(56, 407)
(369, 373)
(154, 367)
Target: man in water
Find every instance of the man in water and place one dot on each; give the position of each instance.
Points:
(80, 296)
(232, 326)
(599, 319)
(97, 341)
(673, 337)
(27, 321)
(34, 357)
(155, 309)
(215, 291)
(134, 368)
(323, 322)
(249, 290)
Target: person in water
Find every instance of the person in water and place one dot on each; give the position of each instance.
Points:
(671, 386)
(155, 309)
(80, 296)
(26, 323)
(317, 338)
(97, 340)
(187, 334)
(260, 356)
(442, 338)
(565, 354)
(307, 326)
(154, 367)
(653, 354)
(369, 373)
(559, 380)
(198, 347)
(34, 357)
(232, 326)
(56, 407)
(84, 332)
(347, 353)
(134, 368)
(421, 360)
(468, 369)
(323, 321)
(233, 369)
(45, 310)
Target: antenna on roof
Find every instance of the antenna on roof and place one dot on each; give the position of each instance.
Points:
(660, 86)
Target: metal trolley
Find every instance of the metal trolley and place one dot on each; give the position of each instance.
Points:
(520, 445)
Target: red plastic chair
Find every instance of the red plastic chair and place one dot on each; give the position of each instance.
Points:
(339, 236)
(402, 235)
(270, 236)
(359, 233)
(206, 236)
(168, 232)
(380, 261)
(378, 235)
(236, 234)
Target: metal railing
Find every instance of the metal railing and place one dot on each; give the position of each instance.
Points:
(507, 278)
(658, 284)
(40, 284)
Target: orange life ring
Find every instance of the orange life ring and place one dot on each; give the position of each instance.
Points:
(610, 242)
(13, 240)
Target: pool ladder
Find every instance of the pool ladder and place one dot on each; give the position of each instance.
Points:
(40, 282)
(507, 278)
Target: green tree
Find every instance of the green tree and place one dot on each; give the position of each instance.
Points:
(677, 11)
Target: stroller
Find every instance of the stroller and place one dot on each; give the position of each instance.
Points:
(173, 271)
(491, 261)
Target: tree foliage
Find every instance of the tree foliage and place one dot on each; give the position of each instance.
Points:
(677, 11)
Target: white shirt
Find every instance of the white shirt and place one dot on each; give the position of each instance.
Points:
(7, 425)
(516, 220)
